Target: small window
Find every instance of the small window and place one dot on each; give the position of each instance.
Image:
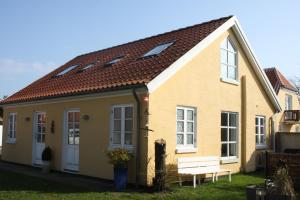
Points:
(288, 102)
(229, 135)
(185, 123)
(228, 61)
(158, 49)
(260, 130)
(12, 120)
(87, 66)
(113, 61)
(66, 70)
(122, 126)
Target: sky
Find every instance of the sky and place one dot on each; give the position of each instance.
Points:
(39, 36)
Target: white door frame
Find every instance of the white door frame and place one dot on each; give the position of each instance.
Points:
(64, 140)
(35, 113)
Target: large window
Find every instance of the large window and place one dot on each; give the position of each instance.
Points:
(73, 127)
(185, 127)
(288, 102)
(12, 120)
(229, 69)
(260, 130)
(229, 135)
(66, 70)
(158, 49)
(122, 125)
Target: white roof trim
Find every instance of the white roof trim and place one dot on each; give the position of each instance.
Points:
(231, 23)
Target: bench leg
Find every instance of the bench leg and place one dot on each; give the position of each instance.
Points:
(194, 181)
(229, 176)
(180, 181)
(213, 177)
(216, 176)
(199, 179)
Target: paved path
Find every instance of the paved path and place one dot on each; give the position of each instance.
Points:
(88, 183)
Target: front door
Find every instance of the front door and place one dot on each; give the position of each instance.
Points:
(71, 141)
(39, 137)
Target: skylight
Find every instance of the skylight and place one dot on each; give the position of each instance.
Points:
(66, 70)
(88, 66)
(158, 49)
(113, 61)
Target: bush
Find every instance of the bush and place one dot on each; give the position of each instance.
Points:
(47, 154)
(119, 157)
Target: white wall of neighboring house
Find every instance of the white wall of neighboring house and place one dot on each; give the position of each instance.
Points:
(1, 129)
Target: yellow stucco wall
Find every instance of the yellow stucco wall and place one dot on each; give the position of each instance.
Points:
(94, 134)
(279, 121)
(198, 85)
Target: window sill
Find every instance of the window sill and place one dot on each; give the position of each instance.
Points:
(230, 81)
(187, 150)
(11, 141)
(261, 147)
(229, 160)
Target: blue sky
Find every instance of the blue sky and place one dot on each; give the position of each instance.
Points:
(39, 36)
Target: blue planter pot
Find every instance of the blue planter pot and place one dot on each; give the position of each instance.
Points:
(120, 178)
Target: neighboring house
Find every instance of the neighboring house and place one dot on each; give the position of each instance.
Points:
(1, 132)
(199, 88)
(289, 118)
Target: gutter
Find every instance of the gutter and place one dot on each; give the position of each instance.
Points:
(138, 130)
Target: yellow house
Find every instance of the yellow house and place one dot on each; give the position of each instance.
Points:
(200, 88)
(289, 118)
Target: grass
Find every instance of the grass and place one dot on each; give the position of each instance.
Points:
(17, 186)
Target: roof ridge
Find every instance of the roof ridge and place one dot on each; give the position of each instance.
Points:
(157, 35)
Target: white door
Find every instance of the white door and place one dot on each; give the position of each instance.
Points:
(71, 141)
(39, 137)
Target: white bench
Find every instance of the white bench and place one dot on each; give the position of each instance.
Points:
(200, 165)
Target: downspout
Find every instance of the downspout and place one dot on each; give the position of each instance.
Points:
(138, 133)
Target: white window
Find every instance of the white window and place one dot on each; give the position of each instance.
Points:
(122, 126)
(229, 68)
(12, 120)
(88, 66)
(229, 135)
(115, 60)
(288, 102)
(73, 120)
(260, 130)
(66, 70)
(158, 49)
(185, 134)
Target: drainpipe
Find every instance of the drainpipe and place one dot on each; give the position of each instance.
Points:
(138, 131)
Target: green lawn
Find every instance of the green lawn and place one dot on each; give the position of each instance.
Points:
(16, 186)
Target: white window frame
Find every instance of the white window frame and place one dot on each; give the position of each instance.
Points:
(67, 122)
(235, 52)
(258, 134)
(231, 158)
(122, 145)
(288, 102)
(11, 138)
(187, 148)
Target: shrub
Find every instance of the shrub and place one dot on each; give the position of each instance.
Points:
(119, 157)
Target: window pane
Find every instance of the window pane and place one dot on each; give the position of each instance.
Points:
(117, 138)
(232, 134)
(43, 118)
(231, 59)
(117, 113)
(128, 125)
(179, 138)
(39, 128)
(76, 139)
(223, 71)
(224, 119)
(230, 46)
(256, 139)
(256, 120)
(180, 114)
(232, 149)
(262, 130)
(262, 139)
(257, 129)
(128, 138)
(117, 125)
(190, 139)
(70, 127)
(43, 138)
(232, 72)
(190, 127)
(180, 127)
(70, 117)
(128, 112)
(77, 116)
(224, 150)
(262, 121)
(190, 115)
(39, 118)
(71, 139)
(232, 120)
(224, 134)
(223, 56)
(43, 128)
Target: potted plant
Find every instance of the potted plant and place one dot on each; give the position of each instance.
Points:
(47, 158)
(119, 159)
(282, 186)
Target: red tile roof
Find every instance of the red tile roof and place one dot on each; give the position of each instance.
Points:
(132, 70)
(278, 80)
